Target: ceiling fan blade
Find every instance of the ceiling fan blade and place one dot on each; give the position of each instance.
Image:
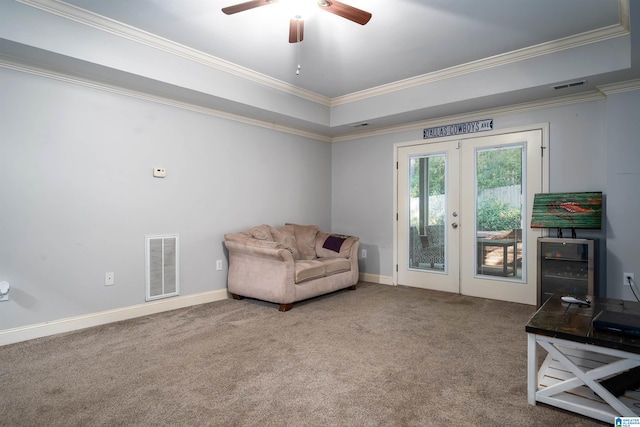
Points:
(241, 7)
(349, 12)
(296, 30)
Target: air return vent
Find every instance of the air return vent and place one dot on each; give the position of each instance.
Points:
(568, 85)
(162, 266)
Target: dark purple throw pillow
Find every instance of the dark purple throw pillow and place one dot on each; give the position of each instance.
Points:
(334, 243)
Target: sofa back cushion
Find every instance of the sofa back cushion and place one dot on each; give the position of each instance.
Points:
(286, 237)
(261, 232)
(330, 245)
(305, 239)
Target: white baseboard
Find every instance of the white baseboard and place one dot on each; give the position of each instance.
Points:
(24, 333)
(376, 278)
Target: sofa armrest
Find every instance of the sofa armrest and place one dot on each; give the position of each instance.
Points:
(260, 248)
(260, 269)
(353, 253)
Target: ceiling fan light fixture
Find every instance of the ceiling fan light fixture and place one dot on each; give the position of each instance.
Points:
(297, 9)
(296, 23)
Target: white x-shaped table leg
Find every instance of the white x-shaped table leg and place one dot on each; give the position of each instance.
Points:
(588, 378)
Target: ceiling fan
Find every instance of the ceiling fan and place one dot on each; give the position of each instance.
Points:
(296, 25)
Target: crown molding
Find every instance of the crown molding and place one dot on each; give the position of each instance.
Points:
(599, 94)
(486, 63)
(620, 87)
(589, 37)
(82, 16)
(476, 115)
(74, 13)
(11, 64)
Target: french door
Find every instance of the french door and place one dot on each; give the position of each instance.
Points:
(463, 215)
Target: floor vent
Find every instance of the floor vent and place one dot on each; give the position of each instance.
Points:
(162, 266)
(568, 85)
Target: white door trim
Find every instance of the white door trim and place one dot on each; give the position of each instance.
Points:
(543, 127)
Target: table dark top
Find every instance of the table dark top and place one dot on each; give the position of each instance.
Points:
(573, 322)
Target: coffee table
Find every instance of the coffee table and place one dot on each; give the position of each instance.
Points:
(582, 362)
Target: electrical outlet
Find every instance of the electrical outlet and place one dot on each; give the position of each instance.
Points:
(628, 279)
(364, 253)
(159, 172)
(109, 279)
(4, 291)
(219, 265)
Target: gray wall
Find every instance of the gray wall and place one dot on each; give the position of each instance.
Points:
(623, 191)
(77, 196)
(593, 147)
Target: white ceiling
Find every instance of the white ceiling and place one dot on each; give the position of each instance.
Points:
(405, 39)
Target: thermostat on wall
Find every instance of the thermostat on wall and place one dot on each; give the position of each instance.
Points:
(159, 172)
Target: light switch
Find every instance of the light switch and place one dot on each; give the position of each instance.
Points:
(159, 172)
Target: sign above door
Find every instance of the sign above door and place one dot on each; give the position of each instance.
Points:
(458, 129)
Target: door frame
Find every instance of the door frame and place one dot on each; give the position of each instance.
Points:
(543, 127)
(446, 280)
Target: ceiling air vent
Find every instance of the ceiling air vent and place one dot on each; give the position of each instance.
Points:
(568, 85)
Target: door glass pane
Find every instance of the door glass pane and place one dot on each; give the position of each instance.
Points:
(499, 211)
(427, 212)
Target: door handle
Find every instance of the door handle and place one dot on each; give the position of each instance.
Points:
(454, 224)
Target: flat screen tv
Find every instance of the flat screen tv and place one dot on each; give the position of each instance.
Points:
(567, 210)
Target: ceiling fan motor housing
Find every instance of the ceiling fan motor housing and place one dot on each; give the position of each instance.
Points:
(296, 25)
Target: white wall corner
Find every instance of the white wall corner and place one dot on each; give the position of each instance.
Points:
(376, 278)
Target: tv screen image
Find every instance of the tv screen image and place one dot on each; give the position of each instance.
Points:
(567, 210)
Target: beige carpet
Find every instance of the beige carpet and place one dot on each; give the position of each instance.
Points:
(376, 356)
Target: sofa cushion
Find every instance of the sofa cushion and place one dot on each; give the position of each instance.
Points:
(335, 265)
(261, 232)
(305, 239)
(285, 236)
(245, 239)
(334, 243)
(308, 269)
(345, 248)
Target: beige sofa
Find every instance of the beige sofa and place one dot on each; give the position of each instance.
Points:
(287, 264)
